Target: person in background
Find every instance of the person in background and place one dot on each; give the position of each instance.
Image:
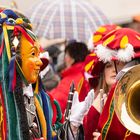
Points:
(118, 50)
(75, 53)
(49, 76)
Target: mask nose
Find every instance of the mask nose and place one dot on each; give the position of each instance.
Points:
(39, 62)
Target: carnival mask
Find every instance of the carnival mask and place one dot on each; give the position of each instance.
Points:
(31, 62)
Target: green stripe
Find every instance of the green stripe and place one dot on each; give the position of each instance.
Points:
(39, 99)
(107, 125)
(12, 118)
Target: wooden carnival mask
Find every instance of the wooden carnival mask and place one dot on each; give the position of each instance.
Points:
(31, 63)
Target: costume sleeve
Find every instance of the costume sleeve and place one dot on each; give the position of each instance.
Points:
(91, 122)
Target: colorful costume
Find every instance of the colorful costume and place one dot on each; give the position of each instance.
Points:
(26, 111)
(119, 45)
(15, 122)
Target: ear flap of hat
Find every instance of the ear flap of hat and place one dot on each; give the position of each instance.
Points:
(93, 68)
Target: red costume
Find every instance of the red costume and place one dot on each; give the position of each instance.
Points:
(122, 45)
(91, 122)
(74, 73)
(107, 123)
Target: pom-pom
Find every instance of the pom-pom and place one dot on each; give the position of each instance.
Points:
(126, 54)
(19, 21)
(104, 53)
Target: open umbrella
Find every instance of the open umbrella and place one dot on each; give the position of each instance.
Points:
(68, 19)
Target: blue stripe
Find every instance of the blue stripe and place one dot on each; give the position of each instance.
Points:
(46, 112)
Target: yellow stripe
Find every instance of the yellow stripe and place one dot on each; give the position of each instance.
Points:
(10, 27)
(7, 42)
(89, 65)
(80, 85)
(20, 67)
(36, 87)
(1, 120)
(41, 118)
(107, 41)
(1, 114)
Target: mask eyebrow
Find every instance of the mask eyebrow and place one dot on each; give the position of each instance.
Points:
(37, 46)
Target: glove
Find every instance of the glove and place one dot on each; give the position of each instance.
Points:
(80, 109)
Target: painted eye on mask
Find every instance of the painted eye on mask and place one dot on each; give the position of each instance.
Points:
(33, 54)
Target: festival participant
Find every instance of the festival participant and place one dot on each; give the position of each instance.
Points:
(94, 65)
(27, 112)
(75, 53)
(118, 50)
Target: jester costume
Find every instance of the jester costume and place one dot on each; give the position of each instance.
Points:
(16, 109)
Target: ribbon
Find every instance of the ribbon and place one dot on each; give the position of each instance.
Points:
(12, 74)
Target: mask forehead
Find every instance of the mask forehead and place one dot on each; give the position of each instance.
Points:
(27, 46)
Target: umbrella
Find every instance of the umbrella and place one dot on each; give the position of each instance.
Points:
(70, 19)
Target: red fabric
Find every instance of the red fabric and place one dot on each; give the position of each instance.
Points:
(19, 28)
(3, 125)
(90, 123)
(94, 121)
(54, 118)
(1, 48)
(74, 73)
(116, 130)
(99, 32)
